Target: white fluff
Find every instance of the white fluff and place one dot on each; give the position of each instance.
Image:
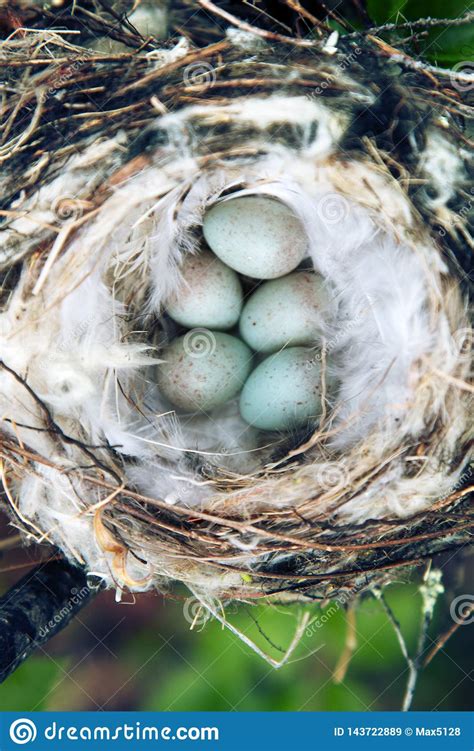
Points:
(78, 346)
(441, 164)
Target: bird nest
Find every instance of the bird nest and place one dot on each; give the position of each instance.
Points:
(110, 162)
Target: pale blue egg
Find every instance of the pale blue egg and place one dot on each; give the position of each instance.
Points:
(256, 235)
(283, 391)
(284, 312)
(203, 369)
(210, 294)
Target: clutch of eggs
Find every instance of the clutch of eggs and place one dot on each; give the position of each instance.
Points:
(270, 357)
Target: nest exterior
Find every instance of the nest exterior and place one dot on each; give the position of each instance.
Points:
(108, 162)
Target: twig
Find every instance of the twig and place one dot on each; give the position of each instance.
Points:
(335, 16)
(455, 381)
(164, 70)
(395, 56)
(421, 23)
(349, 646)
(429, 591)
(396, 627)
(10, 542)
(59, 61)
(447, 635)
(299, 631)
(268, 15)
(262, 632)
(55, 429)
(271, 36)
(298, 8)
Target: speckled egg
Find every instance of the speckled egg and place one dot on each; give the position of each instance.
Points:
(283, 391)
(256, 235)
(284, 311)
(210, 294)
(203, 369)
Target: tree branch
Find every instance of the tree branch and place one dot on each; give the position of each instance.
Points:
(38, 607)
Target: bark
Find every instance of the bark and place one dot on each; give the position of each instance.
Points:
(38, 607)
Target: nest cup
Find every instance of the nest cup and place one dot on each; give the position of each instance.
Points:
(94, 459)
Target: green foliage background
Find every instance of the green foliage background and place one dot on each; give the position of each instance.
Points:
(145, 657)
(442, 46)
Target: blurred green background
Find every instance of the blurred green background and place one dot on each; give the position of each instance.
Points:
(144, 655)
(442, 46)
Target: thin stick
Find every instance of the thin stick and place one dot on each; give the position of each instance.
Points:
(429, 592)
(349, 646)
(412, 667)
(271, 36)
(54, 427)
(247, 527)
(447, 635)
(58, 246)
(298, 8)
(421, 23)
(299, 631)
(455, 381)
(10, 542)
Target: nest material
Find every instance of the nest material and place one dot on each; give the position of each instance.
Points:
(108, 165)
